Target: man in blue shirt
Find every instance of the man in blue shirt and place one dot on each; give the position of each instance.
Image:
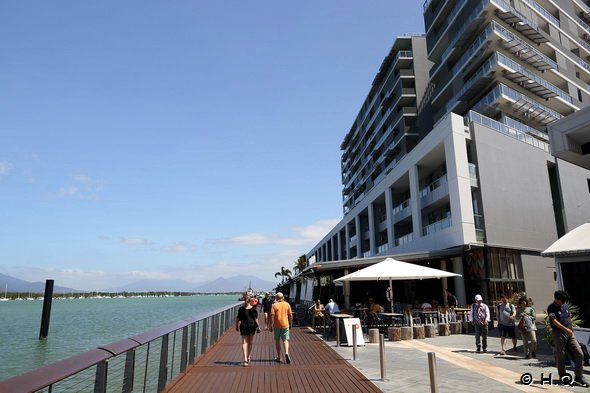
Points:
(564, 339)
(332, 307)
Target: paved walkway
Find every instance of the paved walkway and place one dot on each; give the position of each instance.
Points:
(460, 368)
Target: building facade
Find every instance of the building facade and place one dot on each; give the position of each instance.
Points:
(448, 161)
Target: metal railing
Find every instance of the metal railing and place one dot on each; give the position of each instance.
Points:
(143, 363)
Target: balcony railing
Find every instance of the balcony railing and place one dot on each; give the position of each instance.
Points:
(506, 130)
(400, 241)
(404, 205)
(437, 226)
(433, 186)
(143, 363)
(382, 248)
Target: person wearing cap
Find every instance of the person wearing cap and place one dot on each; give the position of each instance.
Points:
(247, 325)
(480, 316)
(281, 317)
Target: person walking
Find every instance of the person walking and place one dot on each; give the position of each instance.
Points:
(480, 316)
(266, 307)
(506, 316)
(247, 325)
(564, 338)
(281, 318)
(526, 317)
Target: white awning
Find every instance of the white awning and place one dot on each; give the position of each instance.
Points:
(576, 241)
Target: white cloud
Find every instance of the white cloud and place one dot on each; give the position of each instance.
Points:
(68, 191)
(84, 187)
(302, 236)
(179, 247)
(138, 241)
(5, 168)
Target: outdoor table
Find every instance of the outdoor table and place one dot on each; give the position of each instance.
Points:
(427, 314)
(391, 316)
(338, 317)
(463, 312)
(360, 311)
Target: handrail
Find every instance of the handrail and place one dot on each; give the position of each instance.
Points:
(52, 375)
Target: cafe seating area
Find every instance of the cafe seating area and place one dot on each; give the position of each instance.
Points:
(406, 325)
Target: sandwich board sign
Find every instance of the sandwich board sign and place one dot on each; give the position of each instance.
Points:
(353, 323)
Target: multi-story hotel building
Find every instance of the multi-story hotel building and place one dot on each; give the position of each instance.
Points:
(448, 161)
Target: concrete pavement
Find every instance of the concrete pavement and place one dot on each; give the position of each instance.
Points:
(459, 367)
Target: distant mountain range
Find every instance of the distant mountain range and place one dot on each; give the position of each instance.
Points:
(17, 285)
(232, 284)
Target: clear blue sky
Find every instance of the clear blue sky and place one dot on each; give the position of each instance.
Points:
(178, 139)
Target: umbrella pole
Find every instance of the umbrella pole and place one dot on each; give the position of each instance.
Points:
(391, 295)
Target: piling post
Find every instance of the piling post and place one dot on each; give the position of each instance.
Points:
(382, 356)
(354, 342)
(46, 315)
(433, 372)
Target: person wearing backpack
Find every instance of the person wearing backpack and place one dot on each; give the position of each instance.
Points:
(506, 315)
(526, 317)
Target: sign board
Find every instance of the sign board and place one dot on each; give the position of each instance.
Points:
(353, 323)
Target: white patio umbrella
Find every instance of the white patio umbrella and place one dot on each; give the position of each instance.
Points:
(392, 269)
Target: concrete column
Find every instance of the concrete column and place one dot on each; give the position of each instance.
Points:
(371, 212)
(459, 181)
(333, 255)
(359, 236)
(339, 244)
(346, 290)
(415, 198)
(389, 215)
(443, 281)
(347, 239)
(459, 281)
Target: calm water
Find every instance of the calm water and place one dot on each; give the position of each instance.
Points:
(78, 325)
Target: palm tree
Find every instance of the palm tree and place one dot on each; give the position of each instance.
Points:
(284, 273)
(300, 264)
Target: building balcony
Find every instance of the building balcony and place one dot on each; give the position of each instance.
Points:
(517, 103)
(382, 248)
(435, 191)
(506, 130)
(400, 241)
(367, 254)
(402, 211)
(436, 226)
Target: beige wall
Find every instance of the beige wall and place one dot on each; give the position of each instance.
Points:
(539, 280)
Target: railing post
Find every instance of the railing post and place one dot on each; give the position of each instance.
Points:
(193, 343)
(100, 381)
(204, 335)
(163, 369)
(184, 349)
(129, 373)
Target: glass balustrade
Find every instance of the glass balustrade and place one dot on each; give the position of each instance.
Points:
(506, 130)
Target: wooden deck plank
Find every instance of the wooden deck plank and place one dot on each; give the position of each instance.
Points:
(315, 367)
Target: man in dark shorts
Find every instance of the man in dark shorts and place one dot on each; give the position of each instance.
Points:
(564, 338)
(506, 314)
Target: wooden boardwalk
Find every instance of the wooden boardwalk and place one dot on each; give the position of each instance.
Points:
(314, 367)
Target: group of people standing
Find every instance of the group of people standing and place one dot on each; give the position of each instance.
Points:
(523, 316)
(278, 317)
